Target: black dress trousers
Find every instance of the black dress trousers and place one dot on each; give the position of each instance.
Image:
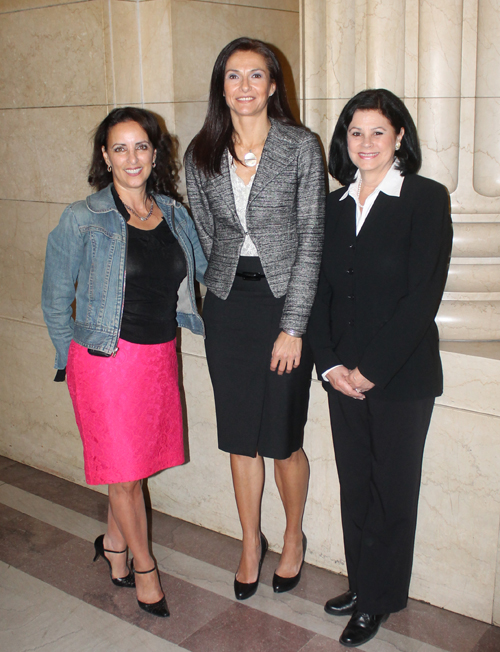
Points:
(379, 447)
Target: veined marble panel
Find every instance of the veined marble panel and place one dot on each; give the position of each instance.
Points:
(24, 227)
(189, 118)
(48, 151)
(192, 21)
(385, 45)
(473, 320)
(478, 240)
(459, 514)
(473, 278)
(281, 5)
(471, 374)
(22, 5)
(486, 147)
(52, 56)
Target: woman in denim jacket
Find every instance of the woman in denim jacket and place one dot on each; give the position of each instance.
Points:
(132, 252)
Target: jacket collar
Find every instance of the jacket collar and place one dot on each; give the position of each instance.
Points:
(103, 202)
(279, 150)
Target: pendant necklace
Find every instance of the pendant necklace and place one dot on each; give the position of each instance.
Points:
(250, 159)
(143, 219)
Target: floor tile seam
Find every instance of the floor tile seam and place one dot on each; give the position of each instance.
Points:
(289, 608)
(52, 591)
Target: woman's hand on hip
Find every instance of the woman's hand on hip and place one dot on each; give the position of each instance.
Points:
(286, 353)
(358, 382)
(339, 380)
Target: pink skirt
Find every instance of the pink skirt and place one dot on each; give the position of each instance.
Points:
(128, 410)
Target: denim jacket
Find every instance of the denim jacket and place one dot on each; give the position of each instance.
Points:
(89, 248)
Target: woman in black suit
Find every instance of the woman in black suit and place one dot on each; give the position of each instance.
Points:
(375, 342)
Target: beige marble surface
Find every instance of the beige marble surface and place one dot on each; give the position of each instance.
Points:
(56, 56)
(48, 152)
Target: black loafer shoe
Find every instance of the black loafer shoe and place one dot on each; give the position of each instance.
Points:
(283, 584)
(361, 628)
(242, 590)
(342, 605)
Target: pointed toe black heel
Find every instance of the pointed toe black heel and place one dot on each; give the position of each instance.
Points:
(283, 584)
(160, 608)
(243, 591)
(129, 580)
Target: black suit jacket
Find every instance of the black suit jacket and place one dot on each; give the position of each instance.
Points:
(379, 292)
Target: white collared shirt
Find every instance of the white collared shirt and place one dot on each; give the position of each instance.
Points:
(391, 184)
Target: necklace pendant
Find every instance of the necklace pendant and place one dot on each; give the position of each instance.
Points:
(250, 159)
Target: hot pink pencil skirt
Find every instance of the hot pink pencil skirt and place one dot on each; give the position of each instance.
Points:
(128, 410)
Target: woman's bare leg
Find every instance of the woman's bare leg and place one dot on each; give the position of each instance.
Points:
(127, 525)
(292, 479)
(248, 481)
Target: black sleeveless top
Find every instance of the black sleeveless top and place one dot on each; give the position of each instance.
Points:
(156, 266)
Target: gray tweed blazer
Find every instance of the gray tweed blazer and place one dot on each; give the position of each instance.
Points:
(285, 219)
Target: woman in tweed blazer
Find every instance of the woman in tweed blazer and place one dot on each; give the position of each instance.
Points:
(256, 186)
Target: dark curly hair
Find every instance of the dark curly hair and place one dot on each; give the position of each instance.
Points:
(163, 178)
(409, 156)
(217, 132)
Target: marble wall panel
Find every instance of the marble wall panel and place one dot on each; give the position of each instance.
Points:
(192, 21)
(24, 227)
(439, 130)
(471, 378)
(454, 565)
(22, 5)
(55, 56)
(37, 421)
(281, 5)
(156, 50)
(496, 597)
(476, 240)
(341, 49)
(472, 320)
(486, 147)
(385, 45)
(122, 34)
(48, 151)
(473, 278)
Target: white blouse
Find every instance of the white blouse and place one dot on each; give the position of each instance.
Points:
(241, 194)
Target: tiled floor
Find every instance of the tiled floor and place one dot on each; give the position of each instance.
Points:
(52, 597)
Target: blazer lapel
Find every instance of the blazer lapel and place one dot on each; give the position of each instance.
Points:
(383, 204)
(276, 155)
(220, 185)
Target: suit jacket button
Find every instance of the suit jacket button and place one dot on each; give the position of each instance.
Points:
(350, 296)
(350, 270)
(351, 323)
(351, 246)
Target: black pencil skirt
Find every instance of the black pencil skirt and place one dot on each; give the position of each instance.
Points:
(257, 410)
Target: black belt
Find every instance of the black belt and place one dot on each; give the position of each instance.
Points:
(250, 276)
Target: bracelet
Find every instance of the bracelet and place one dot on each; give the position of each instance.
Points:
(292, 332)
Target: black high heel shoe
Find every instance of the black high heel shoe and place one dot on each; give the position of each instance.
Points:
(283, 584)
(127, 582)
(242, 591)
(159, 608)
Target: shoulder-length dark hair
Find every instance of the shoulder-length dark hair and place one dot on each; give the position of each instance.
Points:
(163, 178)
(409, 156)
(217, 132)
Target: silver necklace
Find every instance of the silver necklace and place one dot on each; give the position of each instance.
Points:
(143, 219)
